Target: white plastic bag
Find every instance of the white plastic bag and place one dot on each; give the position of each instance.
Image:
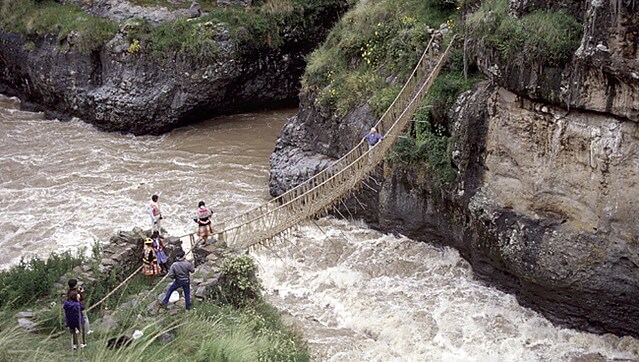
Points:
(175, 296)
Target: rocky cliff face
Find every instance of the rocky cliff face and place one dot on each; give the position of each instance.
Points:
(603, 75)
(137, 92)
(544, 201)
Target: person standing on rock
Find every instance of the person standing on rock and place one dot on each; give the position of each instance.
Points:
(155, 213)
(73, 315)
(149, 261)
(180, 271)
(203, 220)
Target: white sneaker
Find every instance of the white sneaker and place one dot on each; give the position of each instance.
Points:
(90, 331)
(74, 347)
(83, 345)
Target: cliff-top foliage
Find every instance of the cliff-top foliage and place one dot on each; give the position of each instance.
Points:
(546, 37)
(376, 40)
(258, 27)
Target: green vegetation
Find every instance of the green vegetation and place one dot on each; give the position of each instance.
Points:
(72, 26)
(208, 332)
(426, 145)
(371, 51)
(240, 286)
(256, 28)
(33, 279)
(544, 37)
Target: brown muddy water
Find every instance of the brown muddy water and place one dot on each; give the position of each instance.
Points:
(356, 294)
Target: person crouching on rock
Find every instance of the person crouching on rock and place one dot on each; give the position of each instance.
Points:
(73, 313)
(149, 261)
(203, 220)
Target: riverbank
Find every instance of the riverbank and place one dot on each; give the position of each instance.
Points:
(525, 174)
(225, 322)
(133, 74)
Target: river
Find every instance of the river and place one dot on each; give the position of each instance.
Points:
(356, 294)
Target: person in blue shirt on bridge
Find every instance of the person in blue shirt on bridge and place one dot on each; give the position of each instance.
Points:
(373, 137)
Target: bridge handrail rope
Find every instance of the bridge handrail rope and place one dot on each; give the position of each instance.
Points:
(305, 200)
(356, 159)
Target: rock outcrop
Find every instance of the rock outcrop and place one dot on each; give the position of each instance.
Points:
(124, 88)
(543, 203)
(603, 75)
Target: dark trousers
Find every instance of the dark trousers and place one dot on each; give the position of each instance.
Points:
(185, 284)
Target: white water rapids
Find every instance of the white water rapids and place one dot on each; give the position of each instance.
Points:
(355, 294)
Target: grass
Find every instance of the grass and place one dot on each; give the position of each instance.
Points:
(258, 28)
(544, 37)
(376, 40)
(209, 332)
(72, 27)
(33, 279)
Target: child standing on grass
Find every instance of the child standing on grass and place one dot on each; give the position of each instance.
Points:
(73, 313)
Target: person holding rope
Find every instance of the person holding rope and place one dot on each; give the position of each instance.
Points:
(149, 260)
(180, 271)
(74, 319)
(203, 220)
(373, 137)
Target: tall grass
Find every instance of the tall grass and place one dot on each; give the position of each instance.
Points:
(544, 36)
(376, 40)
(68, 22)
(209, 333)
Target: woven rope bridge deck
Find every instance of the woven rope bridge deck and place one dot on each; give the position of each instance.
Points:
(317, 194)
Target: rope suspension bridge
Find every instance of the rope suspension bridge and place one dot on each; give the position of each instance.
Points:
(317, 194)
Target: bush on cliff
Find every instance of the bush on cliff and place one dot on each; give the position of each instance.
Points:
(544, 37)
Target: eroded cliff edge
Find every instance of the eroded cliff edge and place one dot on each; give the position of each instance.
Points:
(158, 69)
(543, 204)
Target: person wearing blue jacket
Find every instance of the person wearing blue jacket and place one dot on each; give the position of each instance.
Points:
(73, 314)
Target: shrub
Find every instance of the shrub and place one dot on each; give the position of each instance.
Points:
(375, 41)
(239, 285)
(33, 279)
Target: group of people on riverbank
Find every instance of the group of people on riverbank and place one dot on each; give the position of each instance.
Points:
(202, 218)
(154, 258)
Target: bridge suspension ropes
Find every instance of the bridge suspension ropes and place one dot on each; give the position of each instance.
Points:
(317, 194)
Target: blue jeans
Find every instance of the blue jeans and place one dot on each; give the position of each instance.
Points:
(185, 284)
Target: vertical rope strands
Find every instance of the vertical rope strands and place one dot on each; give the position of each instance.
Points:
(319, 193)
